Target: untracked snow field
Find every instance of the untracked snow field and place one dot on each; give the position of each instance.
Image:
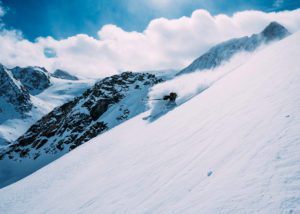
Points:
(235, 148)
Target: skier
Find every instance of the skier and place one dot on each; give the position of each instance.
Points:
(163, 107)
(171, 97)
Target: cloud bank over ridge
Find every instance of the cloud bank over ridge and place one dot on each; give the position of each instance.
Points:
(165, 43)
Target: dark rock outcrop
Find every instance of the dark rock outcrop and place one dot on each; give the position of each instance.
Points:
(274, 31)
(63, 75)
(108, 103)
(13, 93)
(34, 79)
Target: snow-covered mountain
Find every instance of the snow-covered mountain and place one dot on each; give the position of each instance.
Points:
(16, 86)
(27, 94)
(232, 149)
(34, 79)
(108, 103)
(14, 96)
(226, 50)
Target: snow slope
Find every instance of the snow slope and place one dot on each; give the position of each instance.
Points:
(232, 149)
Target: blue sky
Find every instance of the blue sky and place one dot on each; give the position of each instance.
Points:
(64, 18)
(98, 38)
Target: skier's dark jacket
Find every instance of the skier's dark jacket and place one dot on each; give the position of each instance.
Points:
(171, 97)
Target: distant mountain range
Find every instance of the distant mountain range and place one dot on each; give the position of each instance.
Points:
(28, 93)
(16, 86)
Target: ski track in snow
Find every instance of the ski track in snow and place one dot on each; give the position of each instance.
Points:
(243, 131)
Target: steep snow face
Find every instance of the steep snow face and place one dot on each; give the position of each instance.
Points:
(110, 102)
(232, 149)
(221, 53)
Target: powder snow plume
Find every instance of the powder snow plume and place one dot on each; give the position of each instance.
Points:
(189, 85)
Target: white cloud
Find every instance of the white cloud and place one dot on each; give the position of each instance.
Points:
(163, 44)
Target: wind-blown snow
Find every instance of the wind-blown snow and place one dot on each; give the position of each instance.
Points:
(232, 149)
(189, 85)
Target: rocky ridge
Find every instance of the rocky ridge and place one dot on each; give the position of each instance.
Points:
(97, 110)
(13, 95)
